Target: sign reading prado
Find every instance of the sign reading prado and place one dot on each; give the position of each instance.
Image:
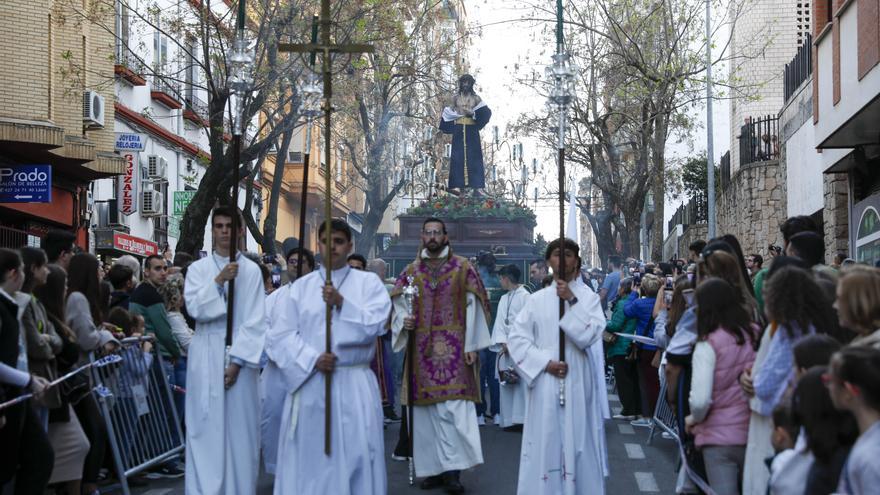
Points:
(26, 184)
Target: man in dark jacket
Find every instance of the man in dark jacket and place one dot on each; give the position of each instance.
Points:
(146, 301)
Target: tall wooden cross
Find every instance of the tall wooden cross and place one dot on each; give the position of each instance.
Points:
(326, 48)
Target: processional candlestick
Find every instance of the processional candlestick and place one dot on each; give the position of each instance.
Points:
(561, 73)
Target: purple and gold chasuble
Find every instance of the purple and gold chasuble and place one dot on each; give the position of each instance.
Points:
(440, 372)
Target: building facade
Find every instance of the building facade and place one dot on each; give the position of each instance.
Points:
(55, 111)
(846, 116)
(162, 123)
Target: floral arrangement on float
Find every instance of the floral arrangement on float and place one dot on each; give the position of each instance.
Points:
(450, 206)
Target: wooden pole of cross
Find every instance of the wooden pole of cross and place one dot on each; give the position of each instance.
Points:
(326, 48)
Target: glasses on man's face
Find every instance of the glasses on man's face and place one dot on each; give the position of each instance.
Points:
(432, 233)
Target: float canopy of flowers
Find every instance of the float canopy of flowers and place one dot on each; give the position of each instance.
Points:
(469, 207)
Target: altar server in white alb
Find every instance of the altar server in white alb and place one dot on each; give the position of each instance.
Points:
(272, 389)
(513, 389)
(562, 450)
(360, 310)
(223, 405)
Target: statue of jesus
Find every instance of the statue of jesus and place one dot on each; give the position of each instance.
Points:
(464, 117)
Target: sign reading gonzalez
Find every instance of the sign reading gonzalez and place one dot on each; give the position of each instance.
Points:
(134, 245)
(128, 185)
(26, 184)
(128, 141)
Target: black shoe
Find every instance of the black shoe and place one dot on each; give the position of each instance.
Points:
(391, 416)
(401, 453)
(169, 471)
(453, 483)
(138, 481)
(432, 482)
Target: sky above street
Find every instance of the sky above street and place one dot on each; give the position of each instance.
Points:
(501, 45)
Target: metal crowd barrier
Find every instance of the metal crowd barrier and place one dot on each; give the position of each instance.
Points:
(138, 408)
(664, 416)
(666, 420)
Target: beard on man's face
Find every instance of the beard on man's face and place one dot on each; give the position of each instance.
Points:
(434, 246)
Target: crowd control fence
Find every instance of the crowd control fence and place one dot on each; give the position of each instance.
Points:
(138, 408)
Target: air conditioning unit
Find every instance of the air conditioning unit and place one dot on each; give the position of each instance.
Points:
(157, 167)
(151, 203)
(93, 110)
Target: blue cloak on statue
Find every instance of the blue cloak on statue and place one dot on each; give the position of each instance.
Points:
(467, 151)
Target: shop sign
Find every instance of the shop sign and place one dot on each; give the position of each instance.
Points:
(174, 226)
(182, 199)
(130, 141)
(26, 184)
(134, 245)
(128, 185)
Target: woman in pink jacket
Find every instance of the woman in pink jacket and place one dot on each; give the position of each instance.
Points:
(719, 418)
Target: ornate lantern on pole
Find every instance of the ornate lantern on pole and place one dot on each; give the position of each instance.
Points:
(561, 74)
(241, 65)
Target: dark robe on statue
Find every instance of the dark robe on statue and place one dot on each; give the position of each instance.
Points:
(467, 151)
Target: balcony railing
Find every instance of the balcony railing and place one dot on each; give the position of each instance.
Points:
(799, 69)
(14, 239)
(759, 140)
(129, 66)
(691, 213)
(196, 109)
(165, 92)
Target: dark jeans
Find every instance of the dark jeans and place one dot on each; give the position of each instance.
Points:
(25, 451)
(488, 380)
(179, 379)
(388, 370)
(92, 422)
(627, 378)
(649, 382)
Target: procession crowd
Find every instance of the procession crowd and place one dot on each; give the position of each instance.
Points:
(772, 368)
(772, 371)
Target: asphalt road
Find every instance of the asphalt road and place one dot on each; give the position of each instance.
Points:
(636, 467)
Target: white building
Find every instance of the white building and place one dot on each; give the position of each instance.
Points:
(766, 35)
(162, 113)
(846, 117)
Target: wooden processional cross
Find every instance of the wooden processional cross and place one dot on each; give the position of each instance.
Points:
(325, 48)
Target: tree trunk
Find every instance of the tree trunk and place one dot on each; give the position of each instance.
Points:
(192, 225)
(271, 223)
(601, 225)
(658, 160)
(633, 217)
(366, 242)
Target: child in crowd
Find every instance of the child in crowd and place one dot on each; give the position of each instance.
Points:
(791, 463)
(829, 433)
(719, 416)
(853, 380)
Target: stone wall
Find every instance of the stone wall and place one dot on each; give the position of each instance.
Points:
(753, 206)
(835, 215)
(691, 233)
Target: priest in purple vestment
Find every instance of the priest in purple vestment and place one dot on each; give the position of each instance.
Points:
(449, 326)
